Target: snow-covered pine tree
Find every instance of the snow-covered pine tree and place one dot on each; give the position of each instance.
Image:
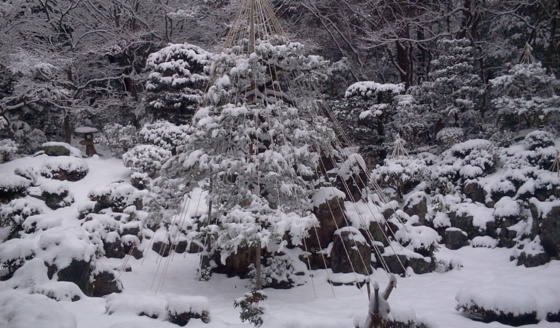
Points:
(526, 96)
(452, 97)
(258, 148)
(176, 83)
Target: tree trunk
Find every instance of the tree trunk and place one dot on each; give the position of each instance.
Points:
(258, 267)
(67, 129)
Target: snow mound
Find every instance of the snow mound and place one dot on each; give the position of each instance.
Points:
(23, 311)
(149, 305)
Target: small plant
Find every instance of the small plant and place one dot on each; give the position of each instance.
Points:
(251, 310)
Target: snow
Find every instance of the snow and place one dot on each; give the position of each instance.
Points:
(19, 310)
(369, 88)
(487, 276)
(73, 150)
(324, 194)
(527, 298)
(85, 129)
(181, 304)
(506, 207)
(484, 241)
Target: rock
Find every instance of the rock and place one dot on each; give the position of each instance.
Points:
(114, 249)
(350, 252)
(475, 192)
(421, 265)
(55, 201)
(163, 249)
(104, 283)
(379, 233)
(315, 260)
(507, 237)
(455, 238)
(532, 260)
(78, 272)
(463, 222)
(56, 150)
(395, 263)
(417, 204)
(331, 217)
(550, 231)
(237, 264)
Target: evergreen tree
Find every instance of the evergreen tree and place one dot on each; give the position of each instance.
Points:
(176, 82)
(257, 148)
(526, 96)
(452, 97)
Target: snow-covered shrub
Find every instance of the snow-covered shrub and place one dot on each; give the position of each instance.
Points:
(401, 174)
(507, 209)
(22, 310)
(506, 304)
(164, 134)
(60, 246)
(117, 197)
(60, 291)
(538, 139)
(119, 139)
(13, 255)
(251, 309)
(29, 140)
(152, 306)
(276, 272)
(146, 158)
(181, 309)
(13, 186)
(56, 195)
(421, 239)
(15, 212)
(8, 149)
(64, 168)
(41, 222)
(449, 136)
(140, 180)
(467, 160)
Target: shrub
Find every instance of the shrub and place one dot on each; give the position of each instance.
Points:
(251, 310)
(146, 159)
(8, 149)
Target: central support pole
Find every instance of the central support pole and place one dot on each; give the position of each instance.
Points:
(252, 36)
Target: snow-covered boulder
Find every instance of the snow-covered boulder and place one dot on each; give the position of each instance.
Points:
(350, 252)
(328, 205)
(54, 148)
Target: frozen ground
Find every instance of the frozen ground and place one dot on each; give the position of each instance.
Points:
(315, 304)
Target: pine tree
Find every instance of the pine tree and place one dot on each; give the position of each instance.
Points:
(257, 148)
(526, 96)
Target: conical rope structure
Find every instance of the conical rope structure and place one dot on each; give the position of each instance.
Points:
(267, 146)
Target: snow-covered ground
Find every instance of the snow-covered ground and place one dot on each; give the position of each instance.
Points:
(153, 281)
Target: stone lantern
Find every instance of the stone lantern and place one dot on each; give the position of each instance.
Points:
(87, 133)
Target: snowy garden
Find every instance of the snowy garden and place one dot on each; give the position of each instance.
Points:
(260, 184)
